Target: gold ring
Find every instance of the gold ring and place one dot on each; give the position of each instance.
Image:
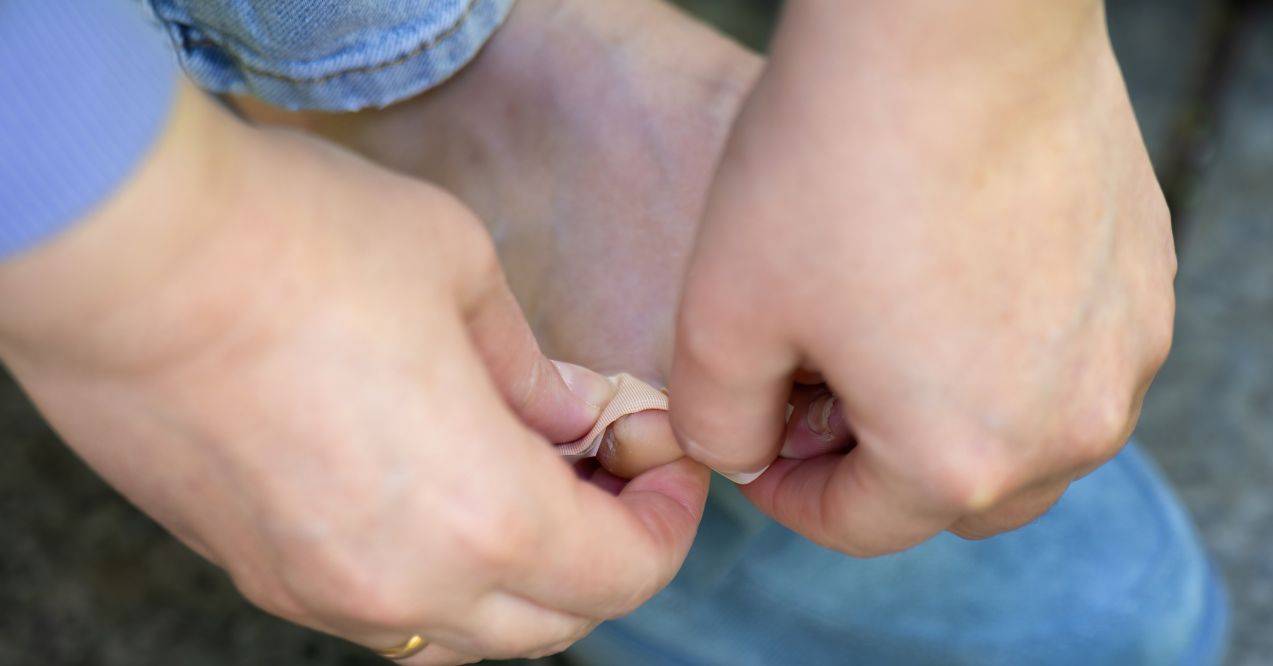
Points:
(409, 647)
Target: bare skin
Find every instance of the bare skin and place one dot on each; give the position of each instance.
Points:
(948, 211)
(585, 136)
(891, 203)
(322, 384)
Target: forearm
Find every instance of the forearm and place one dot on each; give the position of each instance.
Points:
(204, 243)
(132, 244)
(965, 42)
(938, 73)
(86, 89)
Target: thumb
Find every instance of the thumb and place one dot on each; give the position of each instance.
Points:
(730, 380)
(560, 401)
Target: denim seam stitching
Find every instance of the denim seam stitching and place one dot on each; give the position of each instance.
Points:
(365, 69)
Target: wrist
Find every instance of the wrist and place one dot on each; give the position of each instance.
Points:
(63, 298)
(946, 56)
(948, 88)
(994, 35)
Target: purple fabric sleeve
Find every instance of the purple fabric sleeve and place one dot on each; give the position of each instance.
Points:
(85, 89)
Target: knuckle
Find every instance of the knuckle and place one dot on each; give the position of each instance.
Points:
(1014, 513)
(698, 336)
(1170, 259)
(1160, 334)
(970, 485)
(654, 581)
(506, 640)
(972, 532)
(714, 330)
(504, 645)
(1097, 429)
(268, 594)
(978, 528)
(470, 249)
(1159, 348)
(494, 535)
(850, 544)
(559, 646)
(349, 591)
(527, 386)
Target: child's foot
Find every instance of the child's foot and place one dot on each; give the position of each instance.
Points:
(585, 135)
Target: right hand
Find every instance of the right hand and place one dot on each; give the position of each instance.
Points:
(312, 372)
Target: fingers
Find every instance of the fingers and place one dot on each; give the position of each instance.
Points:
(637, 443)
(606, 481)
(496, 513)
(817, 424)
(510, 627)
(437, 655)
(558, 400)
(847, 502)
(556, 541)
(1014, 513)
(729, 386)
(609, 554)
(1029, 503)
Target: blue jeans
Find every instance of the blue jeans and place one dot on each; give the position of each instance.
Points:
(337, 55)
(1113, 575)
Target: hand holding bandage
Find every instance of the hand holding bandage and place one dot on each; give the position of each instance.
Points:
(627, 441)
(624, 440)
(336, 399)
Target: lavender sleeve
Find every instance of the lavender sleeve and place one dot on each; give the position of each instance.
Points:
(85, 89)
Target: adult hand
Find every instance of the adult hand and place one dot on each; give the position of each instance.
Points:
(949, 213)
(312, 372)
(632, 103)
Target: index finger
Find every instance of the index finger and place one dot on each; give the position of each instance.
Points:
(848, 502)
(731, 375)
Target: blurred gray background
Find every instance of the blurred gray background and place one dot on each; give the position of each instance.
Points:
(86, 579)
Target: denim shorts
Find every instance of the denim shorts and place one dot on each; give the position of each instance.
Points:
(335, 55)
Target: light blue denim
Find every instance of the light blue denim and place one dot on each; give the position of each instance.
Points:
(338, 55)
(1113, 575)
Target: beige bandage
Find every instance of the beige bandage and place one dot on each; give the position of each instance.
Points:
(631, 395)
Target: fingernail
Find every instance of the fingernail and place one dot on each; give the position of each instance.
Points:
(609, 448)
(818, 418)
(821, 428)
(744, 478)
(788, 449)
(589, 386)
(692, 450)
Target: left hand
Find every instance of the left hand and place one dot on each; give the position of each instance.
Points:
(971, 247)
